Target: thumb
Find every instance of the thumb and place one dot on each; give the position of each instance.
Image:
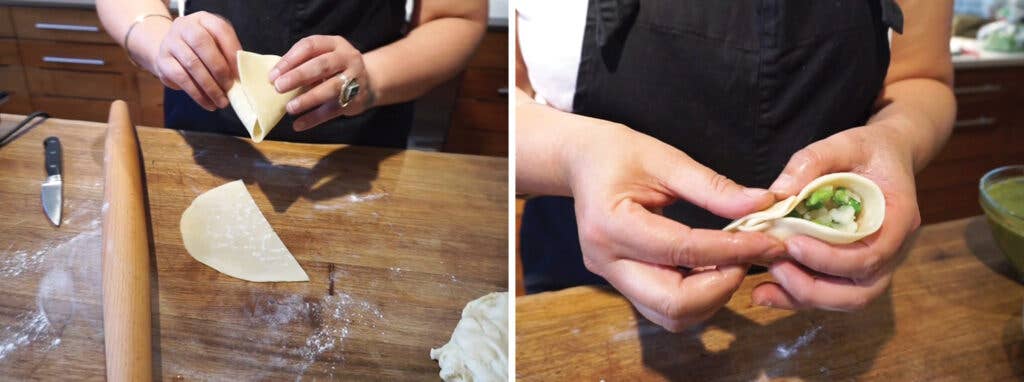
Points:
(712, 191)
(830, 155)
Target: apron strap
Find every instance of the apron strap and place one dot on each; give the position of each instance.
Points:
(892, 15)
(613, 18)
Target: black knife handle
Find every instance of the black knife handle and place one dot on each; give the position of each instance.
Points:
(53, 156)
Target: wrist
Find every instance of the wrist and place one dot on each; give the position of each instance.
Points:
(143, 43)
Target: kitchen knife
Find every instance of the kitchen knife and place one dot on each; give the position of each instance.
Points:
(53, 185)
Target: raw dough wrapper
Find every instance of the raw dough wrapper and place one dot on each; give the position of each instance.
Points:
(224, 229)
(774, 221)
(256, 102)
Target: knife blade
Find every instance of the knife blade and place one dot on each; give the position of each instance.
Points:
(53, 186)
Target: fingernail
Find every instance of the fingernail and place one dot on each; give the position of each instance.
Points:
(793, 249)
(783, 183)
(291, 106)
(278, 87)
(274, 73)
(761, 302)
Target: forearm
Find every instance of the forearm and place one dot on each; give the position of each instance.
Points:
(547, 140)
(919, 112)
(118, 15)
(429, 55)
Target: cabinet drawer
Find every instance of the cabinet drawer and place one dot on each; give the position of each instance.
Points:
(476, 141)
(9, 52)
(940, 175)
(12, 81)
(6, 25)
(66, 83)
(493, 52)
(151, 99)
(977, 132)
(948, 203)
(485, 84)
(989, 84)
(482, 115)
(75, 56)
(59, 24)
(77, 108)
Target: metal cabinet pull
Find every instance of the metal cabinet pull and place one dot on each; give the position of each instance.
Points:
(76, 61)
(977, 89)
(503, 91)
(974, 122)
(67, 27)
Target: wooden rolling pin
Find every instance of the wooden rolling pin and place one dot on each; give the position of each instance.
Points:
(126, 309)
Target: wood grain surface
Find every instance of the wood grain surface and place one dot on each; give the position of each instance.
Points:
(953, 313)
(395, 244)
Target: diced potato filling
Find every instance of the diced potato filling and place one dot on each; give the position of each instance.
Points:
(831, 206)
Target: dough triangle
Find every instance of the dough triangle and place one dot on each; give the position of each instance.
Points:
(224, 229)
(256, 102)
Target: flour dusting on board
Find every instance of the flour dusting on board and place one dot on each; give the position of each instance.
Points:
(785, 351)
(335, 317)
(42, 326)
(348, 200)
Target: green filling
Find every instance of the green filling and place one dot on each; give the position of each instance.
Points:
(819, 196)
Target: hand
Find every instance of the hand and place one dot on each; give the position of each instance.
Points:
(618, 177)
(315, 62)
(846, 277)
(197, 55)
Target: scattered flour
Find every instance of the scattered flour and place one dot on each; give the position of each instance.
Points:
(784, 351)
(57, 288)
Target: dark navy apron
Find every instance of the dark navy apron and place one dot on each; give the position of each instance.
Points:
(272, 27)
(739, 86)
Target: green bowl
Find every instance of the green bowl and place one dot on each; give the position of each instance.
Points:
(1002, 198)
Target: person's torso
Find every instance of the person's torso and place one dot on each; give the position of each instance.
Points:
(273, 27)
(739, 86)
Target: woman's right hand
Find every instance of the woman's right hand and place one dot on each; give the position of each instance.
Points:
(197, 55)
(620, 179)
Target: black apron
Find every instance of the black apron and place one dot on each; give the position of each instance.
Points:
(272, 27)
(738, 86)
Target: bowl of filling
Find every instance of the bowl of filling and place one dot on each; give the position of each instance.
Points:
(1002, 198)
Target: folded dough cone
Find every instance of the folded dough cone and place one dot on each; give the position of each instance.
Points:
(224, 229)
(256, 102)
(774, 221)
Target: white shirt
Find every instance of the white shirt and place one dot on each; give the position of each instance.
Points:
(551, 42)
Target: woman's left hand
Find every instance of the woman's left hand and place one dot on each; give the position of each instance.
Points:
(846, 277)
(317, 63)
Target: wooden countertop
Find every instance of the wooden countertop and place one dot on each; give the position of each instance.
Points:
(395, 244)
(953, 313)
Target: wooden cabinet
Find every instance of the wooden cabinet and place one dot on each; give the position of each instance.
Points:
(61, 61)
(479, 122)
(989, 132)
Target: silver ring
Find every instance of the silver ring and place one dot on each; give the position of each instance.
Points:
(348, 91)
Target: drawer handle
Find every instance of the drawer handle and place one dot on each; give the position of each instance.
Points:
(974, 122)
(67, 27)
(977, 89)
(76, 61)
(503, 91)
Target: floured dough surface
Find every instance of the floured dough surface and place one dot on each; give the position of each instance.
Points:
(478, 350)
(224, 229)
(253, 97)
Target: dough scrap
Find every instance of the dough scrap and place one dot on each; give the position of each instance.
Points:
(773, 220)
(253, 97)
(224, 229)
(478, 350)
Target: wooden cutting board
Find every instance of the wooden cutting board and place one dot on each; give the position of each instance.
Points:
(953, 313)
(395, 244)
